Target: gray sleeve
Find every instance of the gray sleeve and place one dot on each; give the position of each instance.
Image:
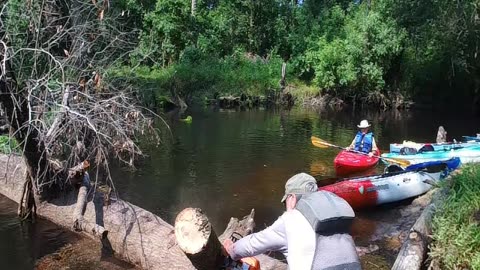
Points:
(272, 238)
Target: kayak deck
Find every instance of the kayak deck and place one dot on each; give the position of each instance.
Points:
(347, 162)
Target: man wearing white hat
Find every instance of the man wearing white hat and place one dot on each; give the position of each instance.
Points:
(364, 140)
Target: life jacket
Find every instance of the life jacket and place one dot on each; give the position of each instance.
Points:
(331, 218)
(363, 142)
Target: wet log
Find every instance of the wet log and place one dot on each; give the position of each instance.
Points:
(134, 234)
(414, 250)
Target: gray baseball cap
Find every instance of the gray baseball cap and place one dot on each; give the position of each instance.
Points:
(300, 183)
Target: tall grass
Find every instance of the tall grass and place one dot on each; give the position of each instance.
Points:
(456, 226)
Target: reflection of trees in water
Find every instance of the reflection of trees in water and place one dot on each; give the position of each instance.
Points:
(319, 168)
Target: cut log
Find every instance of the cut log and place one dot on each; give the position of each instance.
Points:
(195, 235)
(135, 235)
(198, 240)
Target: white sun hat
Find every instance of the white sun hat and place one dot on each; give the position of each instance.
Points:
(363, 124)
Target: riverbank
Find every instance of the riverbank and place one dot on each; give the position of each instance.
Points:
(240, 80)
(456, 226)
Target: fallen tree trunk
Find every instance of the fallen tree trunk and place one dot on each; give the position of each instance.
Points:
(414, 250)
(134, 234)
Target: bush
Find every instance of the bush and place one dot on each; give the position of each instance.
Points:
(197, 76)
(357, 59)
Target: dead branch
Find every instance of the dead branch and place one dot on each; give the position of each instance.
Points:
(58, 101)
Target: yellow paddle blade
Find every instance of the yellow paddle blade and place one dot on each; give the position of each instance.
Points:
(401, 162)
(319, 142)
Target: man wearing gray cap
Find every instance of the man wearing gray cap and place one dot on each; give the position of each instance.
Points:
(312, 233)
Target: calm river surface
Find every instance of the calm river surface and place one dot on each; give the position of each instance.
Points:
(228, 162)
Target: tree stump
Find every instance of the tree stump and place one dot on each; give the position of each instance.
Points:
(196, 237)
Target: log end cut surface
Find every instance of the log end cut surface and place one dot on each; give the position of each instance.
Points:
(192, 230)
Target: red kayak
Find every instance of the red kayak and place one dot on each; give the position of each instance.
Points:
(347, 162)
(367, 191)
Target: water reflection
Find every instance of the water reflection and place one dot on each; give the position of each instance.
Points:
(21, 243)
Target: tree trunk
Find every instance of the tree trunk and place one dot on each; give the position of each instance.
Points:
(414, 249)
(283, 82)
(134, 234)
(194, 7)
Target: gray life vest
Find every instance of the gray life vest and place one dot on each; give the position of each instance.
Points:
(331, 218)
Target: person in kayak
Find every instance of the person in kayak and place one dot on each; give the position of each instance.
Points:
(364, 140)
(441, 135)
(313, 233)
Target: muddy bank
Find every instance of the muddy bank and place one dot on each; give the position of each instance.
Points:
(372, 100)
(251, 101)
(382, 234)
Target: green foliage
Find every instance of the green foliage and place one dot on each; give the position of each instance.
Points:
(456, 233)
(17, 21)
(197, 75)
(8, 145)
(168, 29)
(349, 50)
(442, 46)
(356, 60)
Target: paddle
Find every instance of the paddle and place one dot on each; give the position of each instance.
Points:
(323, 144)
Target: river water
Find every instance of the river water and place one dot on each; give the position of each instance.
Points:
(228, 162)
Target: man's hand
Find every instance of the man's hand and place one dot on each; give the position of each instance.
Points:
(228, 246)
(349, 148)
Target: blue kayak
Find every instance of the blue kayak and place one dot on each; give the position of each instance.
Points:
(397, 147)
(451, 164)
(466, 155)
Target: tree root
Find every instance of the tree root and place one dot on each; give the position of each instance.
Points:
(27, 208)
